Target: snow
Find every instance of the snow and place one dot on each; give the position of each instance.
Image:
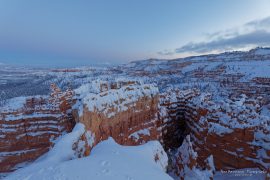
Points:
(265, 111)
(137, 134)
(229, 114)
(218, 129)
(191, 67)
(62, 151)
(14, 103)
(18, 102)
(108, 160)
(250, 69)
(262, 51)
(187, 154)
(206, 66)
(90, 137)
(11, 117)
(120, 98)
(15, 152)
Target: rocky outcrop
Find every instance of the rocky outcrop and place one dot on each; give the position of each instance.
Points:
(29, 125)
(185, 164)
(235, 131)
(126, 111)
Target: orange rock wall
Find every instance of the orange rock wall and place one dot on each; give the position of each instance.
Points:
(139, 123)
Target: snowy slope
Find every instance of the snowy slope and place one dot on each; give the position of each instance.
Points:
(108, 160)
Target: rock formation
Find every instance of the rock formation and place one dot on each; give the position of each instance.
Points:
(185, 164)
(234, 132)
(194, 128)
(209, 113)
(126, 111)
(28, 131)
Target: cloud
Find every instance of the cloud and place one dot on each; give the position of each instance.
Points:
(255, 38)
(252, 34)
(166, 52)
(262, 23)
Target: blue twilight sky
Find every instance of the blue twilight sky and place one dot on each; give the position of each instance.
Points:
(85, 32)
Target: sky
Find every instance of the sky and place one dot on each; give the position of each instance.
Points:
(93, 32)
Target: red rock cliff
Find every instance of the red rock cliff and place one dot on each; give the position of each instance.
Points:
(235, 131)
(28, 130)
(126, 111)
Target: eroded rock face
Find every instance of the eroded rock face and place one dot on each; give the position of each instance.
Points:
(236, 131)
(194, 127)
(185, 163)
(126, 111)
(28, 131)
(174, 129)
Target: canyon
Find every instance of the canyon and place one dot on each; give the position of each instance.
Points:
(210, 113)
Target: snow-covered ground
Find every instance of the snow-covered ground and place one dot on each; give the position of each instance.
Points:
(22, 81)
(108, 161)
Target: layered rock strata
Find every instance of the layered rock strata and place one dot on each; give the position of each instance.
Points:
(195, 128)
(236, 131)
(126, 111)
(28, 126)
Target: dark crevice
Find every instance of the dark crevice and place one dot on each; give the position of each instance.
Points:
(175, 132)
